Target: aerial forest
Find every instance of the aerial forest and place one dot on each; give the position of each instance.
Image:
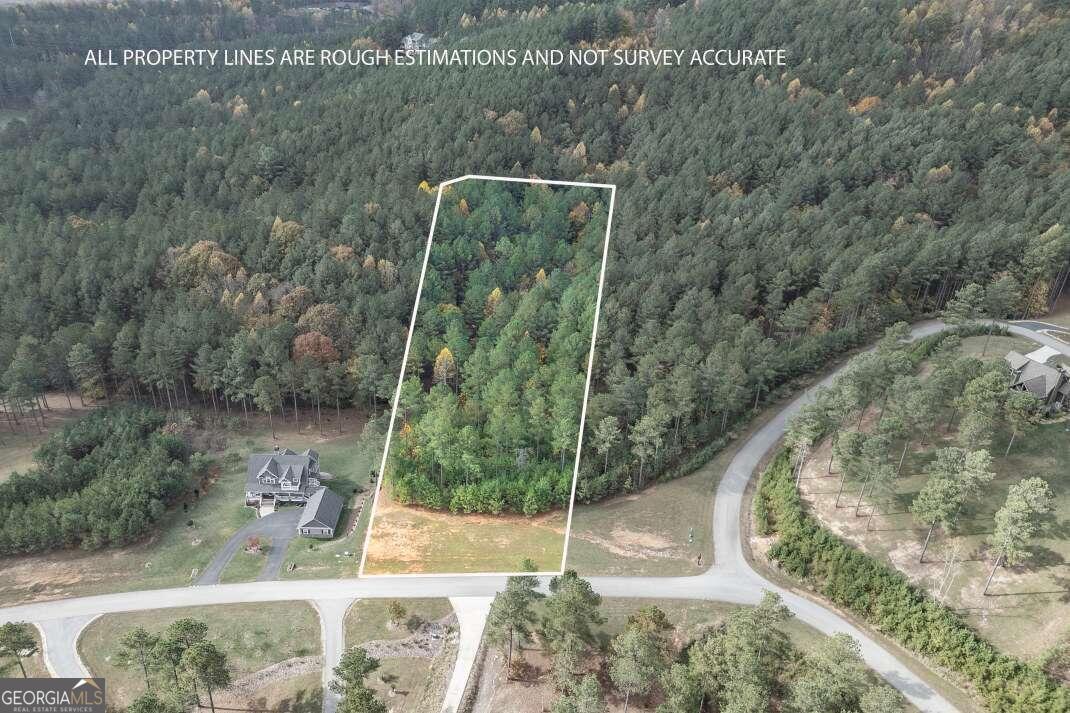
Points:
(489, 413)
(251, 240)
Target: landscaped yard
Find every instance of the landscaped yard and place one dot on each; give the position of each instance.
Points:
(191, 534)
(1028, 607)
(405, 683)
(350, 459)
(246, 565)
(254, 636)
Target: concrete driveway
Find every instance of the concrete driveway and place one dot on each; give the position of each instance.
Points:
(280, 527)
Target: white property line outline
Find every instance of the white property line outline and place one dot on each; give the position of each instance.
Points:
(405, 360)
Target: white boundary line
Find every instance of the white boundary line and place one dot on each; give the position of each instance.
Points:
(405, 360)
(590, 370)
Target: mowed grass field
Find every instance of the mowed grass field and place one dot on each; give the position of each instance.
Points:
(246, 566)
(189, 535)
(1028, 607)
(254, 636)
(403, 683)
(661, 530)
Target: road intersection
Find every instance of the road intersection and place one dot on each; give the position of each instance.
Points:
(731, 579)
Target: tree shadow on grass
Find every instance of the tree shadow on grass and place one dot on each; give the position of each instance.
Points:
(1059, 530)
(905, 528)
(1045, 557)
(1060, 586)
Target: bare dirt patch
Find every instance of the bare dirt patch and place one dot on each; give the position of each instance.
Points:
(410, 540)
(635, 545)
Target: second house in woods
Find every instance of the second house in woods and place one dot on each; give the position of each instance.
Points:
(1050, 384)
(286, 476)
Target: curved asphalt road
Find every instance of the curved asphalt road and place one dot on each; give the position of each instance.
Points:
(731, 579)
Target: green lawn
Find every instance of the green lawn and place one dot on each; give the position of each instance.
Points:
(997, 346)
(246, 566)
(368, 620)
(350, 460)
(189, 535)
(253, 636)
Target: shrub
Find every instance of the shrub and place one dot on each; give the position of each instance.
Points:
(893, 605)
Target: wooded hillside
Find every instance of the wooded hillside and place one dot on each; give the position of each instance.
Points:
(489, 418)
(180, 236)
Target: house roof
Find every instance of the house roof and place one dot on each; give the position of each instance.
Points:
(322, 509)
(1039, 379)
(286, 463)
(1042, 355)
(1016, 360)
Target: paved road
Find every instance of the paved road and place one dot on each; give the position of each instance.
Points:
(730, 579)
(60, 637)
(332, 633)
(280, 527)
(1044, 329)
(471, 615)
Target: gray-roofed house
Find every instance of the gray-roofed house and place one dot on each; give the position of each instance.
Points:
(320, 515)
(417, 41)
(284, 476)
(1050, 384)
